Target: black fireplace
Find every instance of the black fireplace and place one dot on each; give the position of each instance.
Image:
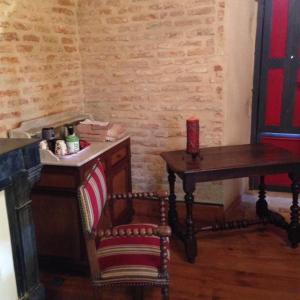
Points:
(20, 168)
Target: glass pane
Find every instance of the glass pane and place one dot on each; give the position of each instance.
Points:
(279, 29)
(274, 97)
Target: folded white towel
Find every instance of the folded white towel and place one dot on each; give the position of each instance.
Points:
(91, 122)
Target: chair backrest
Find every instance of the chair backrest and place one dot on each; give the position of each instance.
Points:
(93, 196)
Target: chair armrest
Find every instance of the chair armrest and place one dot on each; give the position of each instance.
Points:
(161, 231)
(139, 195)
(120, 232)
(162, 197)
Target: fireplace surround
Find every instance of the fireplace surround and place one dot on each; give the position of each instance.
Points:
(19, 169)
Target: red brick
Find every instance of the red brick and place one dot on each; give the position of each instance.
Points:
(51, 57)
(31, 38)
(6, 48)
(74, 83)
(11, 115)
(218, 68)
(9, 36)
(202, 11)
(42, 29)
(24, 48)
(188, 22)
(177, 13)
(141, 54)
(22, 26)
(62, 10)
(64, 29)
(58, 85)
(147, 17)
(70, 49)
(51, 39)
(9, 60)
(116, 20)
(114, 3)
(66, 2)
(188, 79)
(4, 24)
(66, 40)
(104, 11)
(17, 102)
(170, 53)
(168, 5)
(9, 93)
(7, 70)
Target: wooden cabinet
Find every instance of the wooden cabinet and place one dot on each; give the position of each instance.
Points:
(56, 212)
(276, 100)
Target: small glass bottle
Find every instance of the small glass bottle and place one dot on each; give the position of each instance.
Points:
(72, 141)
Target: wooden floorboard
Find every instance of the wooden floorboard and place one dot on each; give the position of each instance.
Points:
(250, 264)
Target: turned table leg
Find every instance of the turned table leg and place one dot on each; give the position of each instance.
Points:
(262, 210)
(172, 214)
(294, 227)
(190, 238)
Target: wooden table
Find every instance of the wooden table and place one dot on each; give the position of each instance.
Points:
(218, 163)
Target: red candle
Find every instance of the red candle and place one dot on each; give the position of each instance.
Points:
(192, 130)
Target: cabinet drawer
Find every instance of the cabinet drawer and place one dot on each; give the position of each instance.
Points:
(118, 156)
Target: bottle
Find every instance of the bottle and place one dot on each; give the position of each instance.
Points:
(72, 141)
(48, 134)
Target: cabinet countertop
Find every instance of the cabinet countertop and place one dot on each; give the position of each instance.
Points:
(76, 160)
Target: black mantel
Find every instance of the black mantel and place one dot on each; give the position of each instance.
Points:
(20, 168)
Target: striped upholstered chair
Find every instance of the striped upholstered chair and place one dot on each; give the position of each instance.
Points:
(126, 255)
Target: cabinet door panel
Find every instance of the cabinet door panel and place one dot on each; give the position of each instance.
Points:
(279, 29)
(58, 226)
(289, 143)
(118, 156)
(274, 97)
(296, 113)
(119, 181)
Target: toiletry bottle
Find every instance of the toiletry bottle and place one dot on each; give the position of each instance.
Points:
(72, 141)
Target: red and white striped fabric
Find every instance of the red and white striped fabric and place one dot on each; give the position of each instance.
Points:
(93, 196)
(133, 258)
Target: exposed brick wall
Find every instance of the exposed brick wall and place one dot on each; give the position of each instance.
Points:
(40, 67)
(151, 64)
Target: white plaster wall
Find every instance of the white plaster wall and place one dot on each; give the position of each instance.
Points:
(240, 33)
(8, 288)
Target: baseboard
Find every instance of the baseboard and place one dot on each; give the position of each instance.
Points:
(231, 211)
(277, 201)
(274, 199)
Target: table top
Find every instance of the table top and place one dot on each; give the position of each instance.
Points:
(214, 163)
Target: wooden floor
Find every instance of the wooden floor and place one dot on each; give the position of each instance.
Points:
(252, 264)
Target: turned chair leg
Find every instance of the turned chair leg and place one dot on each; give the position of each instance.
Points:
(138, 293)
(165, 292)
